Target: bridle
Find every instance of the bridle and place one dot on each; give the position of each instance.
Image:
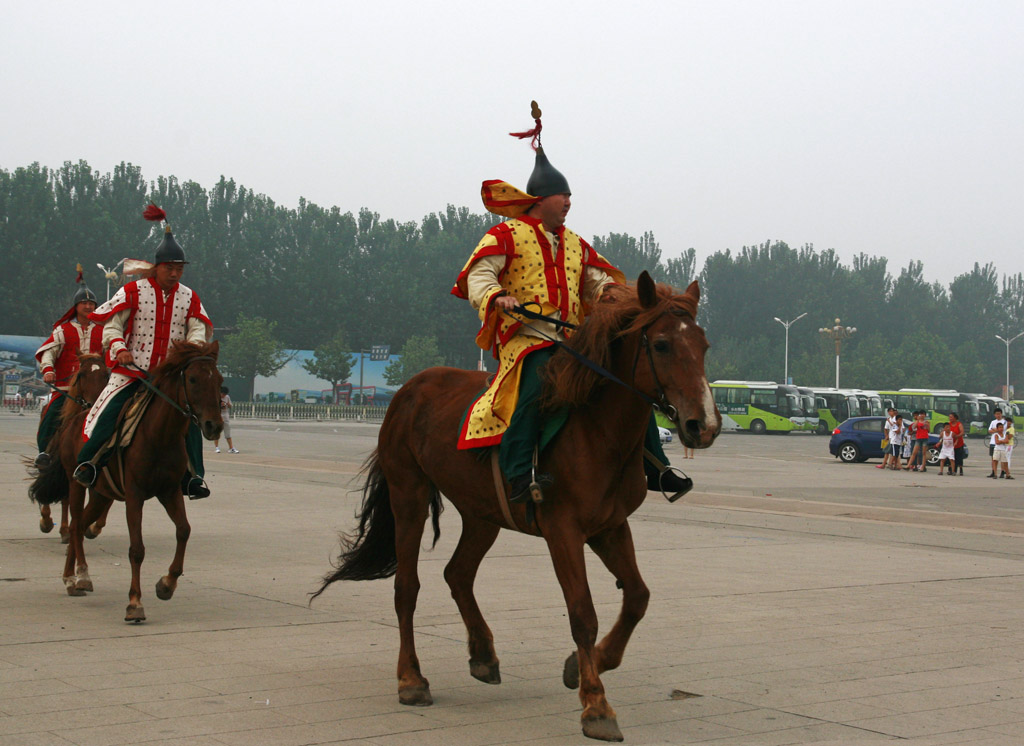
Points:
(661, 404)
(188, 411)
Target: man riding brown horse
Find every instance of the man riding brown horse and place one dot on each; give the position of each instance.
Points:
(532, 258)
(73, 335)
(142, 319)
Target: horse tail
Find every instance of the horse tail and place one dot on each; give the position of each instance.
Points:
(50, 484)
(369, 553)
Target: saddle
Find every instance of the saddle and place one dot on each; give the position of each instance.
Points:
(127, 423)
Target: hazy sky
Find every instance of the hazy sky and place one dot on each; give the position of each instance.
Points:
(891, 128)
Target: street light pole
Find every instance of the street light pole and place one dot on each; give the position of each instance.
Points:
(788, 324)
(110, 274)
(1007, 343)
(838, 332)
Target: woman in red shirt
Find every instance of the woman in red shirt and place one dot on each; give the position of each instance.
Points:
(958, 443)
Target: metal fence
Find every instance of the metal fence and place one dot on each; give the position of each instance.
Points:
(314, 412)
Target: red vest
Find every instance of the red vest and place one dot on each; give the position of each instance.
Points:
(67, 361)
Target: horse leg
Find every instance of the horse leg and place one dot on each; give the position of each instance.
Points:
(175, 507)
(92, 530)
(65, 532)
(45, 521)
(477, 538)
(615, 548)
(76, 569)
(136, 554)
(409, 507)
(566, 548)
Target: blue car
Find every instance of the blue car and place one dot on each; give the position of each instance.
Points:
(860, 438)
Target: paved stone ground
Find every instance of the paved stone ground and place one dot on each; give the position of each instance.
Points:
(794, 600)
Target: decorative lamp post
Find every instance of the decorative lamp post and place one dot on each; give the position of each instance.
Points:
(838, 332)
(1007, 343)
(788, 324)
(110, 274)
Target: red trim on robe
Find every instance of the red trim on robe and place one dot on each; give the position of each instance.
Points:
(493, 440)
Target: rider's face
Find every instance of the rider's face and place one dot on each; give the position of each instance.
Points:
(168, 274)
(552, 210)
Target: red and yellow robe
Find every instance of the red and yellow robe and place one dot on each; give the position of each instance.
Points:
(563, 283)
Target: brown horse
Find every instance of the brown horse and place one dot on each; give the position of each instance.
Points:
(151, 466)
(85, 386)
(648, 337)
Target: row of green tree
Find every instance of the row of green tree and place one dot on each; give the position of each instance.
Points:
(310, 277)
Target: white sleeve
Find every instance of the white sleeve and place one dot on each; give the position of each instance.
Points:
(113, 332)
(49, 357)
(482, 278)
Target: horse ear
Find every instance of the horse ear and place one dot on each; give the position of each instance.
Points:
(693, 291)
(214, 348)
(646, 291)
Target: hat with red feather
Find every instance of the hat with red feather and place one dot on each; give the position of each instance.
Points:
(502, 198)
(168, 250)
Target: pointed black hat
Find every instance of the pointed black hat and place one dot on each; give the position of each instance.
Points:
(546, 179)
(168, 250)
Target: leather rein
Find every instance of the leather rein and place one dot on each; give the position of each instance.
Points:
(661, 403)
(146, 381)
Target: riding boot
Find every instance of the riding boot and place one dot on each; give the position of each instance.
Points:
(515, 453)
(194, 487)
(667, 482)
(50, 422)
(85, 474)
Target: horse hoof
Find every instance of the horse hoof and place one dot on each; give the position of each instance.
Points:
(46, 524)
(92, 532)
(603, 729)
(83, 584)
(571, 672)
(418, 696)
(73, 590)
(135, 613)
(65, 536)
(485, 672)
(164, 590)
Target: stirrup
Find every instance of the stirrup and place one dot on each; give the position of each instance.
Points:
(196, 488)
(686, 486)
(85, 474)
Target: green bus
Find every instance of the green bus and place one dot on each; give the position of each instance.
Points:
(808, 403)
(835, 406)
(758, 406)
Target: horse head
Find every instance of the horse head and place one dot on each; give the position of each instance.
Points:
(196, 365)
(90, 378)
(671, 359)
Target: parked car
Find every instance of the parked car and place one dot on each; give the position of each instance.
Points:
(666, 434)
(860, 438)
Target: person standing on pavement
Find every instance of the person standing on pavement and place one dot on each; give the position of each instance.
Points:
(958, 443)
(999, 451)
(890, 418)
(1008, 434)
(897, 434)
(920, 429)
(946, 455)
(997, 422)
(225, 413)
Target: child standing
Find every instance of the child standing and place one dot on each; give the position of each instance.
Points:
(946, 455)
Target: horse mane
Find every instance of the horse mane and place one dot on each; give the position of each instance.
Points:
(620, 313)
(72, 407)
(179, 355)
